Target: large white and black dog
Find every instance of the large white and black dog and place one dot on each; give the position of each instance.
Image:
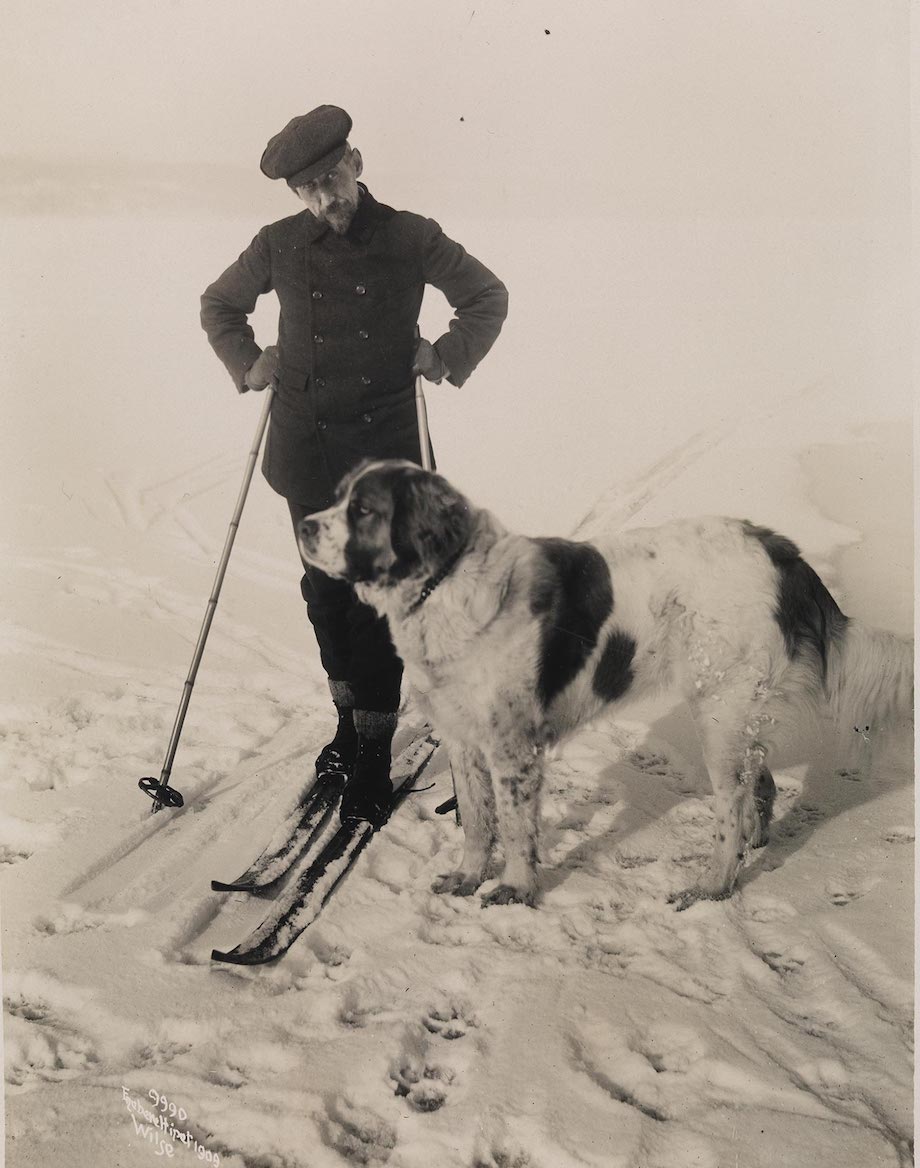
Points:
(511, 642)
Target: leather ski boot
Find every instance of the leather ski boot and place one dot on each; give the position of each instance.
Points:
(337, 758)
(368, 793)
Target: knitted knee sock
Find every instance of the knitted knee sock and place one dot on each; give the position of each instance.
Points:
(374, 724)
(342, 693)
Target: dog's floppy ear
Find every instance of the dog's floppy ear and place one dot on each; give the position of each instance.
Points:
(431, 522)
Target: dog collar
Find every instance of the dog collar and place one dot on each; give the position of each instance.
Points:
(433, 581)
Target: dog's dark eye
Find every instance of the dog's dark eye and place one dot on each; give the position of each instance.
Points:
(359, 510)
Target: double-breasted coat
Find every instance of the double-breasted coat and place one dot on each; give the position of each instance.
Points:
(347, 335)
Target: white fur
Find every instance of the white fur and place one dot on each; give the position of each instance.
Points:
(698, 599)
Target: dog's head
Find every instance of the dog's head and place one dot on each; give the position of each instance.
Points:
(391, 522)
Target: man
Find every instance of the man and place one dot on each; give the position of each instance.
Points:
(349, 274)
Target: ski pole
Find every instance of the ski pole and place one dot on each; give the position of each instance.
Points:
(424, 438)
(421, 411)
(424, 441)
(160, 791)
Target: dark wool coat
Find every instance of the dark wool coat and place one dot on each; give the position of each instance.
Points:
(347, 334)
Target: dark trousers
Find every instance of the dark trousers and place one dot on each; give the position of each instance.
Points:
(354, 642)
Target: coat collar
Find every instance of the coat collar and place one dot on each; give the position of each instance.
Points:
(362, 226)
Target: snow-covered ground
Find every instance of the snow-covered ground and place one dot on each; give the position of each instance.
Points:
(602, 1029)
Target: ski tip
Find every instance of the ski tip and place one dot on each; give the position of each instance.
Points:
(241, 957)
(261, 891)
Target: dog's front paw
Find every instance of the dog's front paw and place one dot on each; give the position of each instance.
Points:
(508, 894)
(455, 884)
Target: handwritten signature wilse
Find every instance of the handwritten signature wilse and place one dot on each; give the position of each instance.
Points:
(158, 1129)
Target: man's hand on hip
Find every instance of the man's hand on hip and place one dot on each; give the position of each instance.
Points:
(264, 369)
(428, 363)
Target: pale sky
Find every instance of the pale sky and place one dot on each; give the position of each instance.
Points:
(700, 208)
(794, 107)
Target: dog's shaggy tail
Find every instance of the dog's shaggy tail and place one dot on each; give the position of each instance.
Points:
(870, 680)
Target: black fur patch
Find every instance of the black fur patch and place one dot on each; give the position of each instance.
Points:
(805, 611)
(613, 675)
(431, 522)
(572, 598)
(360, 562)
(402, 521)
(369, 515)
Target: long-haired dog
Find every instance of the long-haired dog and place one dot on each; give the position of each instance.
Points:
(512, 641)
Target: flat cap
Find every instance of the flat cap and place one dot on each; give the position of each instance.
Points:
(307, 146)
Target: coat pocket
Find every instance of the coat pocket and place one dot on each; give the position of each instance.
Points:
(385, 430)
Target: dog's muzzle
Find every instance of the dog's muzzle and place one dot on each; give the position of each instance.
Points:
(320, 540)
(308, 534)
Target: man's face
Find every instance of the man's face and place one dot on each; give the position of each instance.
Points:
(333, 197)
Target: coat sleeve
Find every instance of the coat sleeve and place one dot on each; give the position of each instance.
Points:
(227, 303)
(478, 297)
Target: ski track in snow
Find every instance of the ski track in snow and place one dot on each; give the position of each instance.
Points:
(145, 879)
(153, 598)
(616, 507)
(164, 508)
(619, 505)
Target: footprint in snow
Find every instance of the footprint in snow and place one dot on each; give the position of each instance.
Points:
(843, 890)
(424, 1084)
(622, 1072)
(41, 1044)
(74, 918)
(767, 910)
(13, 854)
(374, 997)
(649, 762)
(419, 1073)
(226, 1073)
(783, 960)
(360, 1005)
(330, 953)
(799, 819)
(899, 835)
(158, 1052)
(358, 1133)
(502, 1155)
(19, 838)
(669, 1047)
(451, 1021)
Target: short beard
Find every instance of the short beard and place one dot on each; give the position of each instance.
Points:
(341, 219)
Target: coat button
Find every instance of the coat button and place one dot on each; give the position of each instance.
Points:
(317, 295)
(360, 289)
(365, 381)
(319, 382)
(318, 339)
(320, 424)
(363, 334)
(368, 417)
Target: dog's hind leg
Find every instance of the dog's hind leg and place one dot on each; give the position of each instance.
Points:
(764, 798)
(743, 793)
(854, 748)
(477, 816)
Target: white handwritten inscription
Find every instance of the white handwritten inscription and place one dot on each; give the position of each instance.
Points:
(157, 1128)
